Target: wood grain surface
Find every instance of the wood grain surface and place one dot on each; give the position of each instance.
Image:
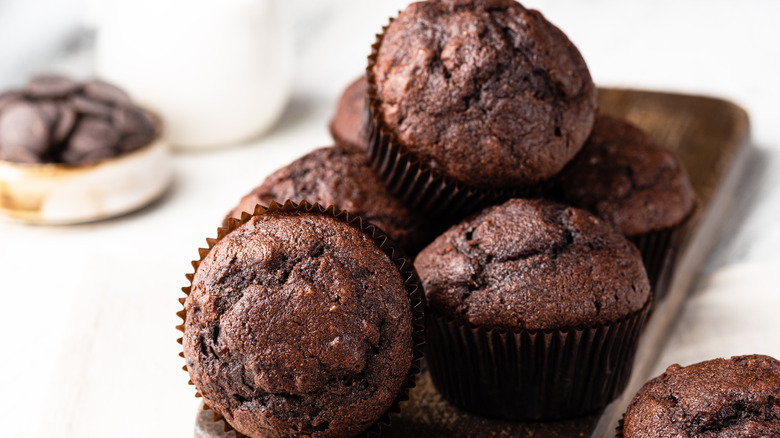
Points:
(710, 136)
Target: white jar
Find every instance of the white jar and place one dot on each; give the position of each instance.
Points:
(218, 72)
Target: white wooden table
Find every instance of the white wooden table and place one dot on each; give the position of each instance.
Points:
(88, 310)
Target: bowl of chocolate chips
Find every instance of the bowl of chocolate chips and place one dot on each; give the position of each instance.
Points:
(74, 151)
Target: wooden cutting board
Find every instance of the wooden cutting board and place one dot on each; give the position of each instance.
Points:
(711, 137)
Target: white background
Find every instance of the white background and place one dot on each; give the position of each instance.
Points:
(88, 310)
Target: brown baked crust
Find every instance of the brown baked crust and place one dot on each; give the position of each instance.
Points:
(298, 324)
(624, 177)
(347, 124)
(341, 176)
(533, 265)
(485, 92)
(737, 397)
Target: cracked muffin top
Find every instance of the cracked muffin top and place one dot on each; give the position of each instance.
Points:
(485, 92)
(737, 397)
(347, 124)
(533, 265)
(341, 176)
(297, 324)
(625, 178)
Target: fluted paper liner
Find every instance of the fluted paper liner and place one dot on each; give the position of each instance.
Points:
(619, 429)
(384, 242)
(532, 375)
(660, 252)
(419, 186)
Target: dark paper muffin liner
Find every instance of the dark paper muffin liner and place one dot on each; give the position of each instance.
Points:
(619, 429)
(532, 375)
(405, 176)
(660, 252)
(384, 242)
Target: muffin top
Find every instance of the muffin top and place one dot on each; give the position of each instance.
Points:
(341, 176)
(533, 265)
(485, 92)
(737, 397)
(622, 176)
(347, 124)
(298, 324)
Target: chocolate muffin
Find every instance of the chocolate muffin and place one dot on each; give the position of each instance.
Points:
(516, 288)
(737, 397)
(532, 265)
(625, 178)
(640, 188)
(484, 92)
(299, 323)
(340, 176)
(347, 124)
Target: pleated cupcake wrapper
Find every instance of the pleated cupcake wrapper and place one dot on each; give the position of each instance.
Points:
(384, 242)
(660, 251)
(405, 176)
(619, 428)
(531, 375)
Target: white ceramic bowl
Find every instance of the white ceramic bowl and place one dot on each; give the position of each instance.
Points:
(67, 194)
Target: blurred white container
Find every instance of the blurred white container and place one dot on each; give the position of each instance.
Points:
(219, 72)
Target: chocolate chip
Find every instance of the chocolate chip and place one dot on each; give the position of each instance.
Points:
(86, 106)
(90, 135)
(50, 86)
(9, 96)
(21, 156)
(49, 110)
(64, 125)
(135, 123)
(24, 130)
(135, 141)
(56, 119)
(105, 92)
(91, 157)
(132, 119)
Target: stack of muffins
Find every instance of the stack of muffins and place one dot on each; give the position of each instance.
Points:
(474, 142)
